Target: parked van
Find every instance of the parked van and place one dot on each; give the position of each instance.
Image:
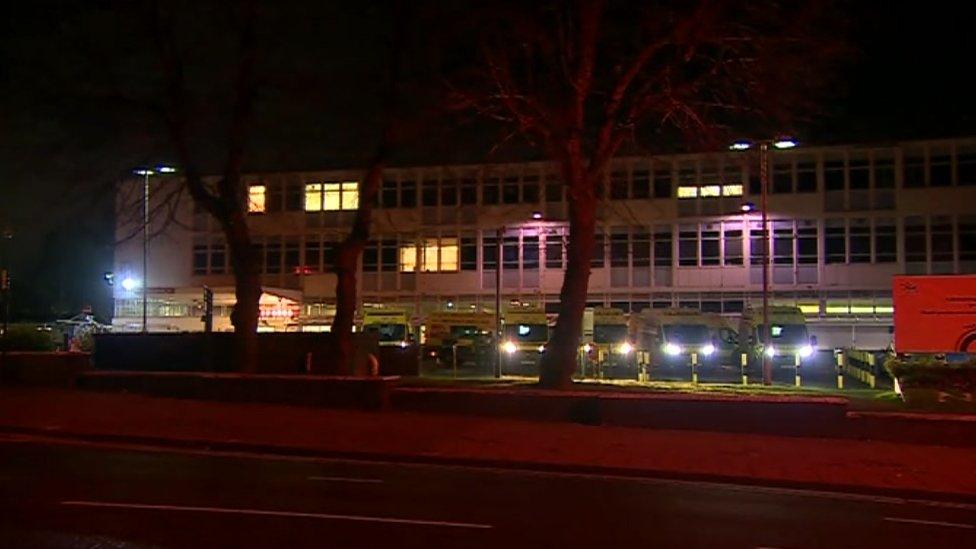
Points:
(525, 333)
(670, 337)
(789, 340)
(467, 332)
(608, 348)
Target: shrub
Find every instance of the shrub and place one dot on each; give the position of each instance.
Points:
(929, 372)
(26, 338)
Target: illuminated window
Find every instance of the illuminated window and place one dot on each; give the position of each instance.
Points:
(440, 255)
(687, 192)
(732, 190)
(256, 199)
(809, 308)
(331, 196)
(313, 197)
(408, 259)
(710, 190)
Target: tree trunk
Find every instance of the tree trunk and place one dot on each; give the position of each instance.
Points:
(559, 361)
(247, 290)
(346, 266)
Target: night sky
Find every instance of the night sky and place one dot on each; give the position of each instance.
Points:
(78, 82)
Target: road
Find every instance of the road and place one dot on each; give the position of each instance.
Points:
(77, 495)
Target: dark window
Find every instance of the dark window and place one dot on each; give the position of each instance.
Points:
(835, 242)
(510, 252)
(755, 183)
(294, 197)
(489, 252)
(510, 191)
(662, 184)
(199, 259)
(371, 257)
(941, 239)
(530, 252)
(641, 253)
(469, 253)
(272, 258)
(388, 196)
(554, 191)
(859, 174)
(834, 175)
(916, 245)
(388, 256)
(641, 184)
(806, 177)
(218, 258)
(914, 171)
(408, 194)
(733, 247)
(860, 241)
(782, 178)
(489, 191)
(663, 250)
(688, 247)
(884, 173)
(469, 191)
(449, 192)
(598, 252)
(275, 197)
(782, 243)
(967, 238)
(428, 193)
(292, 257)
(313, 256)
(885, 242)
(554, 252)
(618, 185)
(757, 244)
(530, 189)
(966, 168)
(940, 171)
(619, 254)
(806, 245)
(709, 247)
(328, 256)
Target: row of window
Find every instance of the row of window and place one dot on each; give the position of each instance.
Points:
(790, 172)
(938, 239)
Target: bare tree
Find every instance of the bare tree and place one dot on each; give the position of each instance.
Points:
(581, 78)
(226, 199)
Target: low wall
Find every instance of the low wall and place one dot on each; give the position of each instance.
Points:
(48, 369)
(367, 393)
(773, 415)
(278, 353)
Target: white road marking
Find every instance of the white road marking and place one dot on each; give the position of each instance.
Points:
(263, 512)
(348, 479)
(775, 490)
(930, 522)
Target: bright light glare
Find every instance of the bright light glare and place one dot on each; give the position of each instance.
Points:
(509, 347)
(708, 350)
(587, 348)
(625, 348)
(536, 215)
(143, 172)
(748, 207)
(806, 351)
(129, 284)
(542, 348)
(771, 351)
(672, 349)
(403, 344)
(165, 169)
(784, 143)
(740, 146)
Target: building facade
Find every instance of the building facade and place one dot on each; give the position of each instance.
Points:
(671, 233)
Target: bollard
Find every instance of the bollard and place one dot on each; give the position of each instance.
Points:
(796, 369)
(840, 370)
(744, 363)
(694, 368)
(871, 370)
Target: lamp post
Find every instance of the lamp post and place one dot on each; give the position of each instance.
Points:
(6, 236)
(146, 174)
(764, 144)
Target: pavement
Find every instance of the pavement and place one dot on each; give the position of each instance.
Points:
(77, 495)
(847, 465)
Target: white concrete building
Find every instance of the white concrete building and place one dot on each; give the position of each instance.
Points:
(843, 220)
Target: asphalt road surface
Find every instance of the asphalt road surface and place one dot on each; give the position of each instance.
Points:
(75, 495)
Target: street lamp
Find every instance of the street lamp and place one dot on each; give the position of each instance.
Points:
(146, 173)
(764, 144)
(5, 237)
